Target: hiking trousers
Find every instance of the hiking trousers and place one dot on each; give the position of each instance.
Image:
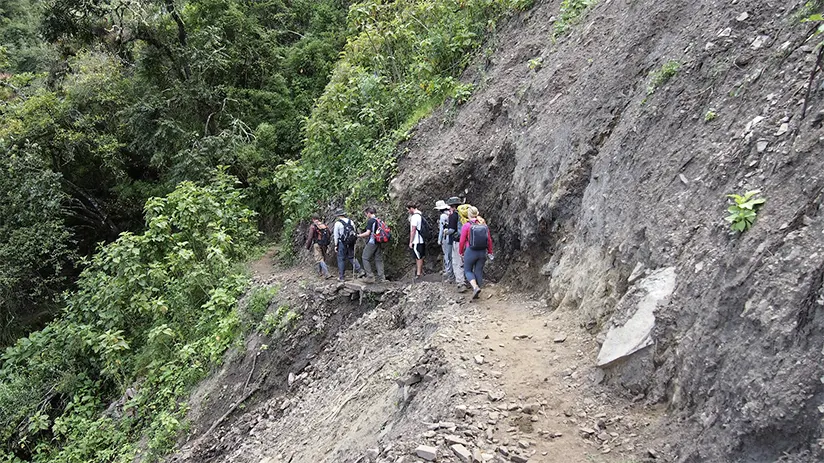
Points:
(373, 252)
(347, 254)
(320, 259)
(457, 265)
(474, 261)
(448, 274)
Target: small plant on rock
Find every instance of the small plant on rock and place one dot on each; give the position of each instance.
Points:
(710, 116)
(535, 63)
(663, 75)
(743, 212)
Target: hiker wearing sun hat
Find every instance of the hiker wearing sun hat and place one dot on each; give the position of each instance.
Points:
(345, 237)
(453, 231)
(443, 240)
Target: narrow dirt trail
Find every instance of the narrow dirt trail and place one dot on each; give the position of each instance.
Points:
(501, 376)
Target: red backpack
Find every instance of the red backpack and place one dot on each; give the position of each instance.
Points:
(382, 232)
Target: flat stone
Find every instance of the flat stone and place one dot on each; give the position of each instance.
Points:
(561, 337)
(761, 145)
(462, 453)
(742, 17)
(636, 273)
(523, 444)
(518, 458)
(782, 129)
(427, 452)
(460, 411)
(495, 396)
(636, 333)
(479, 359)
(453, 439)
(372, 454)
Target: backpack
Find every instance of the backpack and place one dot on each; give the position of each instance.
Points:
(382, 233)
(478, 237)
(425, 231)
(348, 237)
(322, 236)
(463, 213)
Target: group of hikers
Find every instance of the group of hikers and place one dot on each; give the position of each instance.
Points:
(462, 234)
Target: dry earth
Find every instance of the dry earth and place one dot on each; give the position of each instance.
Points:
(502, 376)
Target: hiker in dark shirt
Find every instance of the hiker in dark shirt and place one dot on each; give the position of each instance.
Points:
(373, 251)
(317, 241)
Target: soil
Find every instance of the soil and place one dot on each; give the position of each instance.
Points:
(412, 361)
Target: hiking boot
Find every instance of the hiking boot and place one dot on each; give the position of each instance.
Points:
(476, 292)
(369, 280)
(462, 288)
(361, 274)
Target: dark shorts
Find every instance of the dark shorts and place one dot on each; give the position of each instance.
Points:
(417, 251)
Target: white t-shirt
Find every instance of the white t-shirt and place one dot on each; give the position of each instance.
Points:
(415, 223)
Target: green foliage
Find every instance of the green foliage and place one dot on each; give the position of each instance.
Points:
(34, 243)
(401, 61)
(710, 116)
(278, 321)
(150, 315)
(661, 76)
(569, 13)
(535, 63)
(256, 306)
(743, 212)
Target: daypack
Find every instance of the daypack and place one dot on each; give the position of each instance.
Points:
(382, 233)
(349, 237)
(463, 213)
(425, 231)
(322, 236)
(478, 237)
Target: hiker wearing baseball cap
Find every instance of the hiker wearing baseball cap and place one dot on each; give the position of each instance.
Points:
(345, 237)
(443, 240)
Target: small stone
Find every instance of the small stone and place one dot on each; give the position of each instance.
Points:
(783, 129)
(503, 450)
(291, 379)
(523, 444)
(460, 411)
(426, 452)
(561, 337)
(683, 179)
(588, 431)
(462, 453)
(759, 42)
(603, 436)
(372, 454)
(479, 359)
(761, 145)
(495, 396)
(743, 16)
(452, 439)
(725, 32)
(652, 453)
(518, 458)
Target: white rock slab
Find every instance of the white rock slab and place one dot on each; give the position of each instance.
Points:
(636, 333)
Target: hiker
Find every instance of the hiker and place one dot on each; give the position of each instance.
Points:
(417, 224)
(475, 245)
(454, 233)
(345, 238)
(443, 240)
(373, 250)
(317, 240)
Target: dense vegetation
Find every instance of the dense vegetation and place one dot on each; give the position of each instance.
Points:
(115, 110)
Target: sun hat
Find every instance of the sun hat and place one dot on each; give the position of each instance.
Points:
(440, 205)
(340, 212)
(454, 201)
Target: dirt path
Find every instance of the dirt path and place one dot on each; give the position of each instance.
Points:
(427, 366)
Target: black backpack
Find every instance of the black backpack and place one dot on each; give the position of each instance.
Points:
(425, 231)
(322, 236)
(478, 237)
(349, 237)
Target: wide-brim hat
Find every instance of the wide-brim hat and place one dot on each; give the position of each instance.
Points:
(440, 205)
(454, 201)
(340, 212)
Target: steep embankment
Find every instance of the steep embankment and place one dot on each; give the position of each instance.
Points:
(594, 164)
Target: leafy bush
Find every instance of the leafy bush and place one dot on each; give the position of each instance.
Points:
(151, 313)
(400, 62)
(743, 212)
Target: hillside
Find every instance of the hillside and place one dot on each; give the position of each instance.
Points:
(603, 159)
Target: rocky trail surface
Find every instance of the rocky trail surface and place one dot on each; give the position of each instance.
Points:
(419, 373)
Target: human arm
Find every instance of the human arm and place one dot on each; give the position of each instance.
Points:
(336, 233)
(310, 236)
(464, 238)
(441, 227)
(488, 242)
(370, 224)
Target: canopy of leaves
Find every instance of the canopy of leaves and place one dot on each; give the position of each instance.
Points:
(152, 312)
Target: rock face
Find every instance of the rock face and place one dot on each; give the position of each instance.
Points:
(579, 168)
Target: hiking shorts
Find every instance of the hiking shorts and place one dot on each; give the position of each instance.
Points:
(418, 251)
